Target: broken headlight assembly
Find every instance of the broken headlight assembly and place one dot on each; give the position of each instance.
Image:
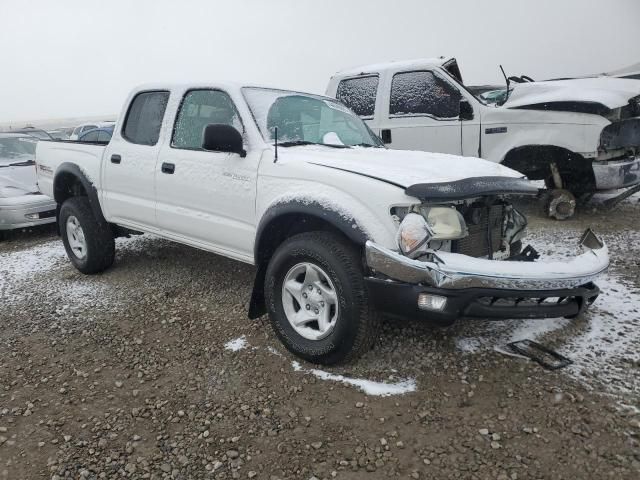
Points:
(417, 229)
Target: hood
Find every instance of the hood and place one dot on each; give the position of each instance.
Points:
(610, 92)
(421, 174)
(15, 181)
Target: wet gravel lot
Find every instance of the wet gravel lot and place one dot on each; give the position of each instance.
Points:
(152, 370)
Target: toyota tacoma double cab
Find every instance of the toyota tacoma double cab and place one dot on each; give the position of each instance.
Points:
(339, 228)
(579, 135)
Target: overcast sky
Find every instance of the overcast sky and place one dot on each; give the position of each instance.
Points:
(80, 58)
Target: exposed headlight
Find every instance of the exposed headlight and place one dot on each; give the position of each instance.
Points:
(413, 234)
(446, 223)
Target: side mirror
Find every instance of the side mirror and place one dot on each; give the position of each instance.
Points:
(218, 137)
(466, 110)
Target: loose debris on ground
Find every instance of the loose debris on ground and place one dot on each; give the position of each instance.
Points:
(152, 370)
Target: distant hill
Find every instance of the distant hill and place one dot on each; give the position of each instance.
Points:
(53, 123)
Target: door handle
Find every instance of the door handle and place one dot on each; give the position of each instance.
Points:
(385, 134)
(116, 159)
(168, 168)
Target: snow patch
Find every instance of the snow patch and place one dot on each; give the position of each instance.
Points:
(236, 344)
(369, 387)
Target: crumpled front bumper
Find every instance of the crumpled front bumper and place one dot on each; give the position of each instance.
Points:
(614, 174)
(456, 271)
(480, 288)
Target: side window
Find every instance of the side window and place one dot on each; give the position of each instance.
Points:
(86, 128)
(200, 108)
(359, 94)
(90, 137)
(144, 118)
(423, 93)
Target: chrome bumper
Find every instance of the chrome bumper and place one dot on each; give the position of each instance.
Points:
(456, 271)
(23, 212)
(616, 173)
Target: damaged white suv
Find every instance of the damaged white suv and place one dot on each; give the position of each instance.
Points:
(339, 227)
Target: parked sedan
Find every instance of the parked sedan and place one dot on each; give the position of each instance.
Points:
(87, 127)
(21, 203)
(98, 135)
(34, 132)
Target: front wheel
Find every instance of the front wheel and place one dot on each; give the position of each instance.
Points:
(89, 243)
(317, 299)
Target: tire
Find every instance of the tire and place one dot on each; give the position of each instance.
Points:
(355, 324)
(98, 246)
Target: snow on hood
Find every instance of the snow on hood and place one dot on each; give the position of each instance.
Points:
(16, 181)
(610, 92)
(402, 167)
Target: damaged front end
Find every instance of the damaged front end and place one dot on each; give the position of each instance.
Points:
(617, 164)
(464, 259)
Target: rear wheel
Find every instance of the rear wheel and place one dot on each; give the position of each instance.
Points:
(317, 299)
(89, 243)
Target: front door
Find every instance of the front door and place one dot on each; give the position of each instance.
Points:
(206, 198)
(423, 114)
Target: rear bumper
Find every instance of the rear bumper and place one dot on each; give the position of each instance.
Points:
(614, 174)
(27, 211)
(483, 288)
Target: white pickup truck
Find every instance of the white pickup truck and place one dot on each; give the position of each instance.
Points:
(339, 227)
(579, 135)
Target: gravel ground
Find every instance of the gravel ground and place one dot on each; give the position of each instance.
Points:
(152, 370)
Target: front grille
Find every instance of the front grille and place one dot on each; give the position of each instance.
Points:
(480, 219)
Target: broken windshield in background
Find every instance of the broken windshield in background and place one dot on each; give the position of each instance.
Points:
(301, 117)
(17, 149)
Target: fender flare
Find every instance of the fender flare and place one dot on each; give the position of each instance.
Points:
(71, 169)
(347, 226)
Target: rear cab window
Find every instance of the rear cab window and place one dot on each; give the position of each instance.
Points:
(423, 93)
(359, 94)
(144, 118)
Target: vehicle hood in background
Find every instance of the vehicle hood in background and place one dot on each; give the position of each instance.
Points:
(15, 181)
(427, 176)
(610, 92)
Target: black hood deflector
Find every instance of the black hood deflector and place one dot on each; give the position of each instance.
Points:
(470, 188)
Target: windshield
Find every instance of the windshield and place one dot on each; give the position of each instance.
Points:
(307, 119)
(17, 148)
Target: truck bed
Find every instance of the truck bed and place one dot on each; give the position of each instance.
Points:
(50, 154)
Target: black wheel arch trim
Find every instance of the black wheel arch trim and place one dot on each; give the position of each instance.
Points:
(73, 170)
(347, 226)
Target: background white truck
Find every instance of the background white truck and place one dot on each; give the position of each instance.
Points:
(338, 226)
(579, 135)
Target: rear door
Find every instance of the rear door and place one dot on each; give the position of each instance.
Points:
(207, 198)
(129, 162)
(360, 95)
(422, 113)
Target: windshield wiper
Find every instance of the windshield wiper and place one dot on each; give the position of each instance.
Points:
(20, 164)
(367, 145)
(296, 143)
